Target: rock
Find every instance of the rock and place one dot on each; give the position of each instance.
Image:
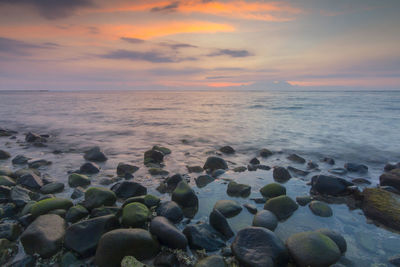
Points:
(108, 181)
(82, 237)
(355, 167)
(254, 161)
(166, 258)
(281, 175)
(36, 164)
(215, 163)
(135, 215)
(173, 181)
(214, 260)
(388, 167)
(313, 249)
(227, 150)
(219, 222)
(52, 188)
(153, 156)
(251, 208)
(89, 168)
(26, 261)
(20, 160)
(259, 247)
(329, 185)
(360, 181)
(303, 200)
(5, 192)
(338, 171)
(203, 236)
(273, 190)
(283, 206)
(78, 193)
(76, 213)
(265, 153)
(336, 237)
(171, 211)
(228, 208)
(95, 154)
(320, 208)
(194, 169)
(34, 137)
(297, 171)
(395, 260)
(158, 171)
(312, 165)
(10, 231)
(6, 181)
(98, 196)
(296, 158)
(266, 219)
(7, 251)
(46, 205)
(26, 220)
(391, 178)
(167, 233)
(390, 189)
(76, 179)
(217, 173)
(124, 168)
(117, 244)
(127, 189)
(148, 200)
(129, 261)
(186, 198)
(203, 180)
(4, 154)
(20, 196)
(69, 260)
(44, 236)
(382, 206)
(330, 161)
(6, 132)
(104, 210)
(59, 212)
(240, 169)
(238, 190)
(164, 150)
(30, 180)
(6, 172)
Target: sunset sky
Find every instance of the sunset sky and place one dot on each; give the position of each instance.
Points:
(199, 44)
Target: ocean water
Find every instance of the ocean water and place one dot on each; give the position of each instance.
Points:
(360, 127)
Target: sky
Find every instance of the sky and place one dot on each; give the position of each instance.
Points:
(199, 44)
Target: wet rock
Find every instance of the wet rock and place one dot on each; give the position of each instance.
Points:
(296, 158)
(104, 210)
(166, 258)
(259, 200)
(7, 251)
(84, 236)
(69, 260)
(265, 153)
(171, 211)
(259, 247)
(390, 189)
(26, 261)
(204, 180)
(6, 181)
(76, 213)
(26, 220)
(214, 260)
(355, 167)
(164, 150)
(391, 178)
(360, 181)
(167, 233)
(34, 137)
(215, 163)
(127, 189)
(6, 132)
(97, 196)
(148, 200)
(227, 150)
(124, 168)
(336, 237)
(20, 196)
(238, 190)
(273, 190)
(303, 200)
(173, 181)
(203, 236)
(129, 261)
(117, 244)
(78, 193)
(10, 231)
(313, 249)
(8, 210)
(388, 167)
(95, 154)
(254, 161)
(4, 155)
(59, 212)
(135, 215)
(196, 169)
(338, 171)
(76, 179)
(320, 208)
(108, 181)
(36, 164)
(153, 156)
(30, 180)
(312, 165)
(52, 188)
(395, 260)
(89, 168)
(219, 222)
(44, 236)
(6, 172)
(329, 185)
(5, 192)
(186, 198)
(266, 219)
(281, 175)
(297, 171)
(251, 208)
(228, 208)
(46, 205)
(20, 160)
(158, 171)
(283, 206)
(330, 161)
(217, 173)
(240, 169)
(382, 206)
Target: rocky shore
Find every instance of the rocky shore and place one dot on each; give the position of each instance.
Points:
(121, 224)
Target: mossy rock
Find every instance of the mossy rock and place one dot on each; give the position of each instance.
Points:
(46, 205)
(158, 171)
(320, 208)
(76, 213)
(273, 190)
(240, 169)
(130, 261)
(148, 200)
(283, 206)
(135, 215)
(98, 196)
(7, 181)
(75, 180)
(235, 189)
(162, 149)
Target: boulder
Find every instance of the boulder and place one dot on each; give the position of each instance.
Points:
(52, 188)
(196, 169)
(44, 236)
(98, 196)
(329, 185)
(283, 207)
(4, 154)
(34, 137)
(259, 247)
(117, 244)
(153, 156)
(76, 213)
(238, 190)
(173, 181)
(214, 260)
(20, 160)
(303, 200)
(76, 179)
(391, 178)
(204, 180)
(95, 154)
(215, 163)
(265, 153)
(164, 150)
(217, 173)
(89, 168)
(171, 211)
(148, 200)
(220, 223)
(312, 249)
(312, 165)
(273, 190)
(158, 171)
(6, 181)
(266, 219)
(46, 205)
(281, 175)
(228, 208)
(250, 208)
(296, 158)
(127, 189)
(165, 259)
(336, 237)
(356, 167)
(83, 237)
(167, 233)
(320, 208)
(135, 215)
(104, 210)
(78, 192)
(30, 180)
(124, 168)
(20, 196)
(254, 161)
(203, 236)
(227, 150)
(36, 164)
(297, 171)
(186, 198)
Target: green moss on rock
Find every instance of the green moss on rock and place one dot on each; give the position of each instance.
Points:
(46, 205)
(135, 215)
(273, 190)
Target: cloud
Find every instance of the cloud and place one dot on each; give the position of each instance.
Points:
(52, 9)
(230, 52)
(132, 40)
(167, 8)
(152, 56)
(176, 46)
(21, 48)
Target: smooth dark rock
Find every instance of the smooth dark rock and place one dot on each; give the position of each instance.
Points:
(251, 208)
(296, 158)
(329, 185)
(194, 169)
(173, 181)
(215, 163)
(46, 205)
(164, 150)
(167, 233)
(391, 178)
(336, 237)
(166, 259)
(204, 180)
(227, 150)
(20, 196)
(395, 260)
(320, 208)
(228, 208)
(240, 169)
(89, 168)
(10, 231)
(76, 179)
(148, 200)
(330, 161)
(281, 175)
(52, 188)
(135, 215)
(312, 165)
(217, 173)
(36, 164)
(6, 181)
(4, 155)
(95, 154)
(297, 171)
(360, 181)
(6, 132)
(303, 200)
(78, 193)
(30, 180)
(153, 156)
(219, 222)
(265, 153)
(238, 190)
(158, 171)
(203, 236)
(338, 171)
(124, 168)
(127, 189)
(273, 190)
(213, 260)
(186, 198)
(98, 196)
(76, 213)
(20, 160)
(105, 210)
(171, 211)
(34, 137)
(355, 167)
(266, 219)
(283, 206)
